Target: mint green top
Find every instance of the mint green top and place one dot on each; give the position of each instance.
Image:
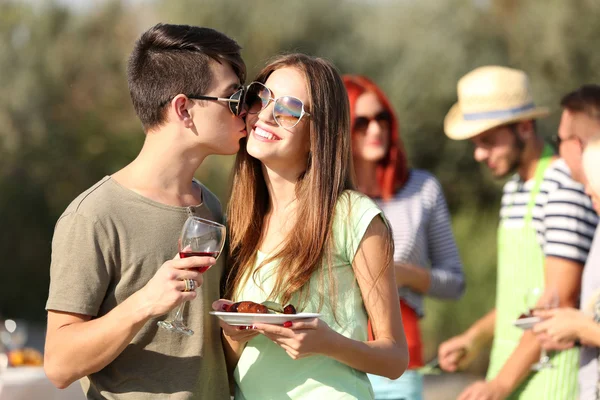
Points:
(265, 371)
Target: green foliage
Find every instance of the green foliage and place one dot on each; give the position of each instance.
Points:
(66, 118)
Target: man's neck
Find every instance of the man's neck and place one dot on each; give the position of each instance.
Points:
(366, 177)
(530, 158)
(164, 170)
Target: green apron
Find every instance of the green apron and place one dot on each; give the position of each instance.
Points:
(521, 267)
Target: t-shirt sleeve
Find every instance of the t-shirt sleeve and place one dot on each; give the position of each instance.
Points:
(354, 214)
(79, 270)
(570, 222)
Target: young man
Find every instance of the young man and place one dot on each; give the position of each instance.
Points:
(546, 221)
(579, 123)
(113, 272)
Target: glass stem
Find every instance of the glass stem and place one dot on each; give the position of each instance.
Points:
(544, 357)
(179, 315)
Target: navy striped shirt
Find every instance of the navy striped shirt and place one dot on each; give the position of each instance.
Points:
(563, 216)
(423, 237)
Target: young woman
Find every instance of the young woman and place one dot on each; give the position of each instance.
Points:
(425, 259)
(300, 234)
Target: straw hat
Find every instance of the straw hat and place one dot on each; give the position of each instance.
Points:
(489, 97)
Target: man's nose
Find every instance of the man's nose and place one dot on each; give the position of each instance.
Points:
(480, 154)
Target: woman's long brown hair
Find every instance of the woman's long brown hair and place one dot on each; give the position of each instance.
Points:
(328, 174)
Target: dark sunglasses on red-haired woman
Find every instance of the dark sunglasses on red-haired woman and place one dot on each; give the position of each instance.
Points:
(361, 123)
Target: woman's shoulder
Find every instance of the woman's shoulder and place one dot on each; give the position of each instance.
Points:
(351, 200)
(354, 211)
(353, 215)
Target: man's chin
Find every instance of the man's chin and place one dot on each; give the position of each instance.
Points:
(499, 174)
(503, 173)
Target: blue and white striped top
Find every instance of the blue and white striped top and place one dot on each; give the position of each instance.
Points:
(563, 216)
(423, 237)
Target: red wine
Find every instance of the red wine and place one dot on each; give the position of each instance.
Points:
(186, 254)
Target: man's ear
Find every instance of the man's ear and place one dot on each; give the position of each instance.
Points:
(525, 130)
(180, 105)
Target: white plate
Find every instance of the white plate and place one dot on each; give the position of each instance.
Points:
(247, 319)
(527, 323)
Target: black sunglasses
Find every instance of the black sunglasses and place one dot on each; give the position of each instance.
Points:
(362, 123)
(236, 100)
(557, 141)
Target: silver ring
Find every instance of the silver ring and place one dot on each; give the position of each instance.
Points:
(190, 285)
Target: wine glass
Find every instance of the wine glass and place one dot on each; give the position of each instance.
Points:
(13, 334)
(542, 299)
(199, 237)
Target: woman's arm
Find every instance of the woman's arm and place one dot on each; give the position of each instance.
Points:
(233, 351)
(417, 278)
(565, 325)
(447, 278)
(387, 355)
(234, 338)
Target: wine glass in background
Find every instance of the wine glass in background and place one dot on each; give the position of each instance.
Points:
(13, 334)
(542, 299)
(199, 237)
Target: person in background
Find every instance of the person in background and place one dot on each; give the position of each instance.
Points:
(113, 275)
(580, 121)
(546, 221)
(426, 259)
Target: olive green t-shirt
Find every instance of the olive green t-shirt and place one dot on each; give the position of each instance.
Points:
(107, 245)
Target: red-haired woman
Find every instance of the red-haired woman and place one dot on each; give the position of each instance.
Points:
(425, 258)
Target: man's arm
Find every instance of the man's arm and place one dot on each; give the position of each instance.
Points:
(459, 351)
(77, 345)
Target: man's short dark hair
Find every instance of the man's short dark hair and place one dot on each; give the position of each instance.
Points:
(171, 59)
(586, 99)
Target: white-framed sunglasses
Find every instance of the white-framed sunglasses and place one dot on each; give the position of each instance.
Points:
(287, 110)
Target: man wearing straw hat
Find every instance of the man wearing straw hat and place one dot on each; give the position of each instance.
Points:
(540, 237)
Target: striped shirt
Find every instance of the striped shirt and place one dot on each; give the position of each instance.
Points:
(419, 218)
(563, 216)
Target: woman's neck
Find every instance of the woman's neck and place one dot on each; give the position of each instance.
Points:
(366, 177)
(281, 185)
